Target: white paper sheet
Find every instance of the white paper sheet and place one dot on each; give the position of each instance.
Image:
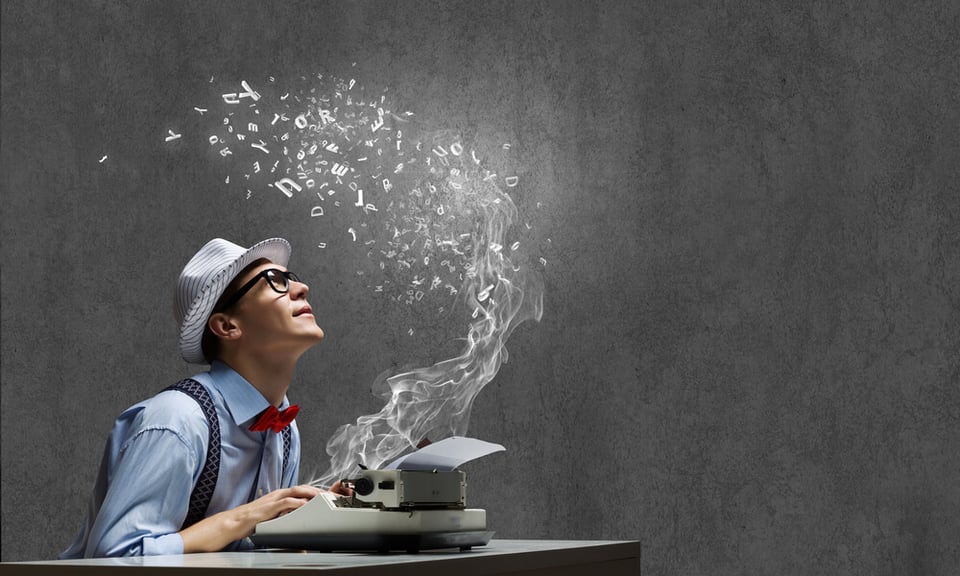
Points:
(447, 454)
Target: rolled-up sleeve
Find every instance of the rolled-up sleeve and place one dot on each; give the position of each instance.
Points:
(148, 496)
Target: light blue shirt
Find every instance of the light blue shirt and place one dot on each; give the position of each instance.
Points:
(154, 457)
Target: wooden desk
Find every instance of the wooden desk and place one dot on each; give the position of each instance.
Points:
(514, 557)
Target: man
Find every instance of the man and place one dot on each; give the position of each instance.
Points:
(196, 467)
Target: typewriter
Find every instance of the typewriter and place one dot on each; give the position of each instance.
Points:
(417, 503)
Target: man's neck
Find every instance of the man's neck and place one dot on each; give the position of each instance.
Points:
(271, 377)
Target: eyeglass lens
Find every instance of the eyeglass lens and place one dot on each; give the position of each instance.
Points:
(280, 281)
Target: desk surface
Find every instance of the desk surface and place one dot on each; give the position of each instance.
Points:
(532, 557)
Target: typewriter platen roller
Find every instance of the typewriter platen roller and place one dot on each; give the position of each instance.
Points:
(408, 489)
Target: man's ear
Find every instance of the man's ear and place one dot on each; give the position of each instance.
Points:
(223, 326)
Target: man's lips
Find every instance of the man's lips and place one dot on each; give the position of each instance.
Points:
(304, 310)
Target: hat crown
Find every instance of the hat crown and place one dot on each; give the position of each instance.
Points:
(209, 262)
(204, 279)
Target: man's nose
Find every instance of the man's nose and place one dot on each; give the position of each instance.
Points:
(298, 289)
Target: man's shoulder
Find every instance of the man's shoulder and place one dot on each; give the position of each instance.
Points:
(169, 413)
(172, 408)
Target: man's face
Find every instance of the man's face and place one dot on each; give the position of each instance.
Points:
(275, 322)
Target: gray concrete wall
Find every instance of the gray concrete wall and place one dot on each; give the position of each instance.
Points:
(750, 217)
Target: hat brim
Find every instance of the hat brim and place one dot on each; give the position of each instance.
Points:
(276, 250)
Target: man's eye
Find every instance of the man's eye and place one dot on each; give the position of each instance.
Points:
(278, 279)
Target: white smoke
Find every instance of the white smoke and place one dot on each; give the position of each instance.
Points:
(434, 402)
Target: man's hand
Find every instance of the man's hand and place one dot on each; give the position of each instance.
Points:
(341, 489)
(216, 532)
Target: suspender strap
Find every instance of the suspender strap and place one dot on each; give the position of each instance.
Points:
(286, 446)
(203, 490)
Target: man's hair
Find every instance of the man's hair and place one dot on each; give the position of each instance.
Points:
(210, 342)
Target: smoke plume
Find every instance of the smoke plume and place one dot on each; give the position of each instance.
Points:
(435, 401)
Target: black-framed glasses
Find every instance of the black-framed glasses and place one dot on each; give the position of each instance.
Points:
(279, 280)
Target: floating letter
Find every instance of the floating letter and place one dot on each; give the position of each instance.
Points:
(285, 185)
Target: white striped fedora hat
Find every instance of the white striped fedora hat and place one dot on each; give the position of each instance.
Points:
(204, 279)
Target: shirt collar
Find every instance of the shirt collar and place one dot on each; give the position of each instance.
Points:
(243, 401)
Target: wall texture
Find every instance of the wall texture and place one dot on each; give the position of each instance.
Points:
(749, 213)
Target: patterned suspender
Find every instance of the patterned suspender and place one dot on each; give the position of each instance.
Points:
(203, 490)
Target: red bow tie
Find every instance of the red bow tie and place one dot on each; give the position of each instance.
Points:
(275, 419)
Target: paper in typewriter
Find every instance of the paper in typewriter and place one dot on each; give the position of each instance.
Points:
(444, 455)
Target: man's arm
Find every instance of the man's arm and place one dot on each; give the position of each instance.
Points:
(216, 532)
(148, 495)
